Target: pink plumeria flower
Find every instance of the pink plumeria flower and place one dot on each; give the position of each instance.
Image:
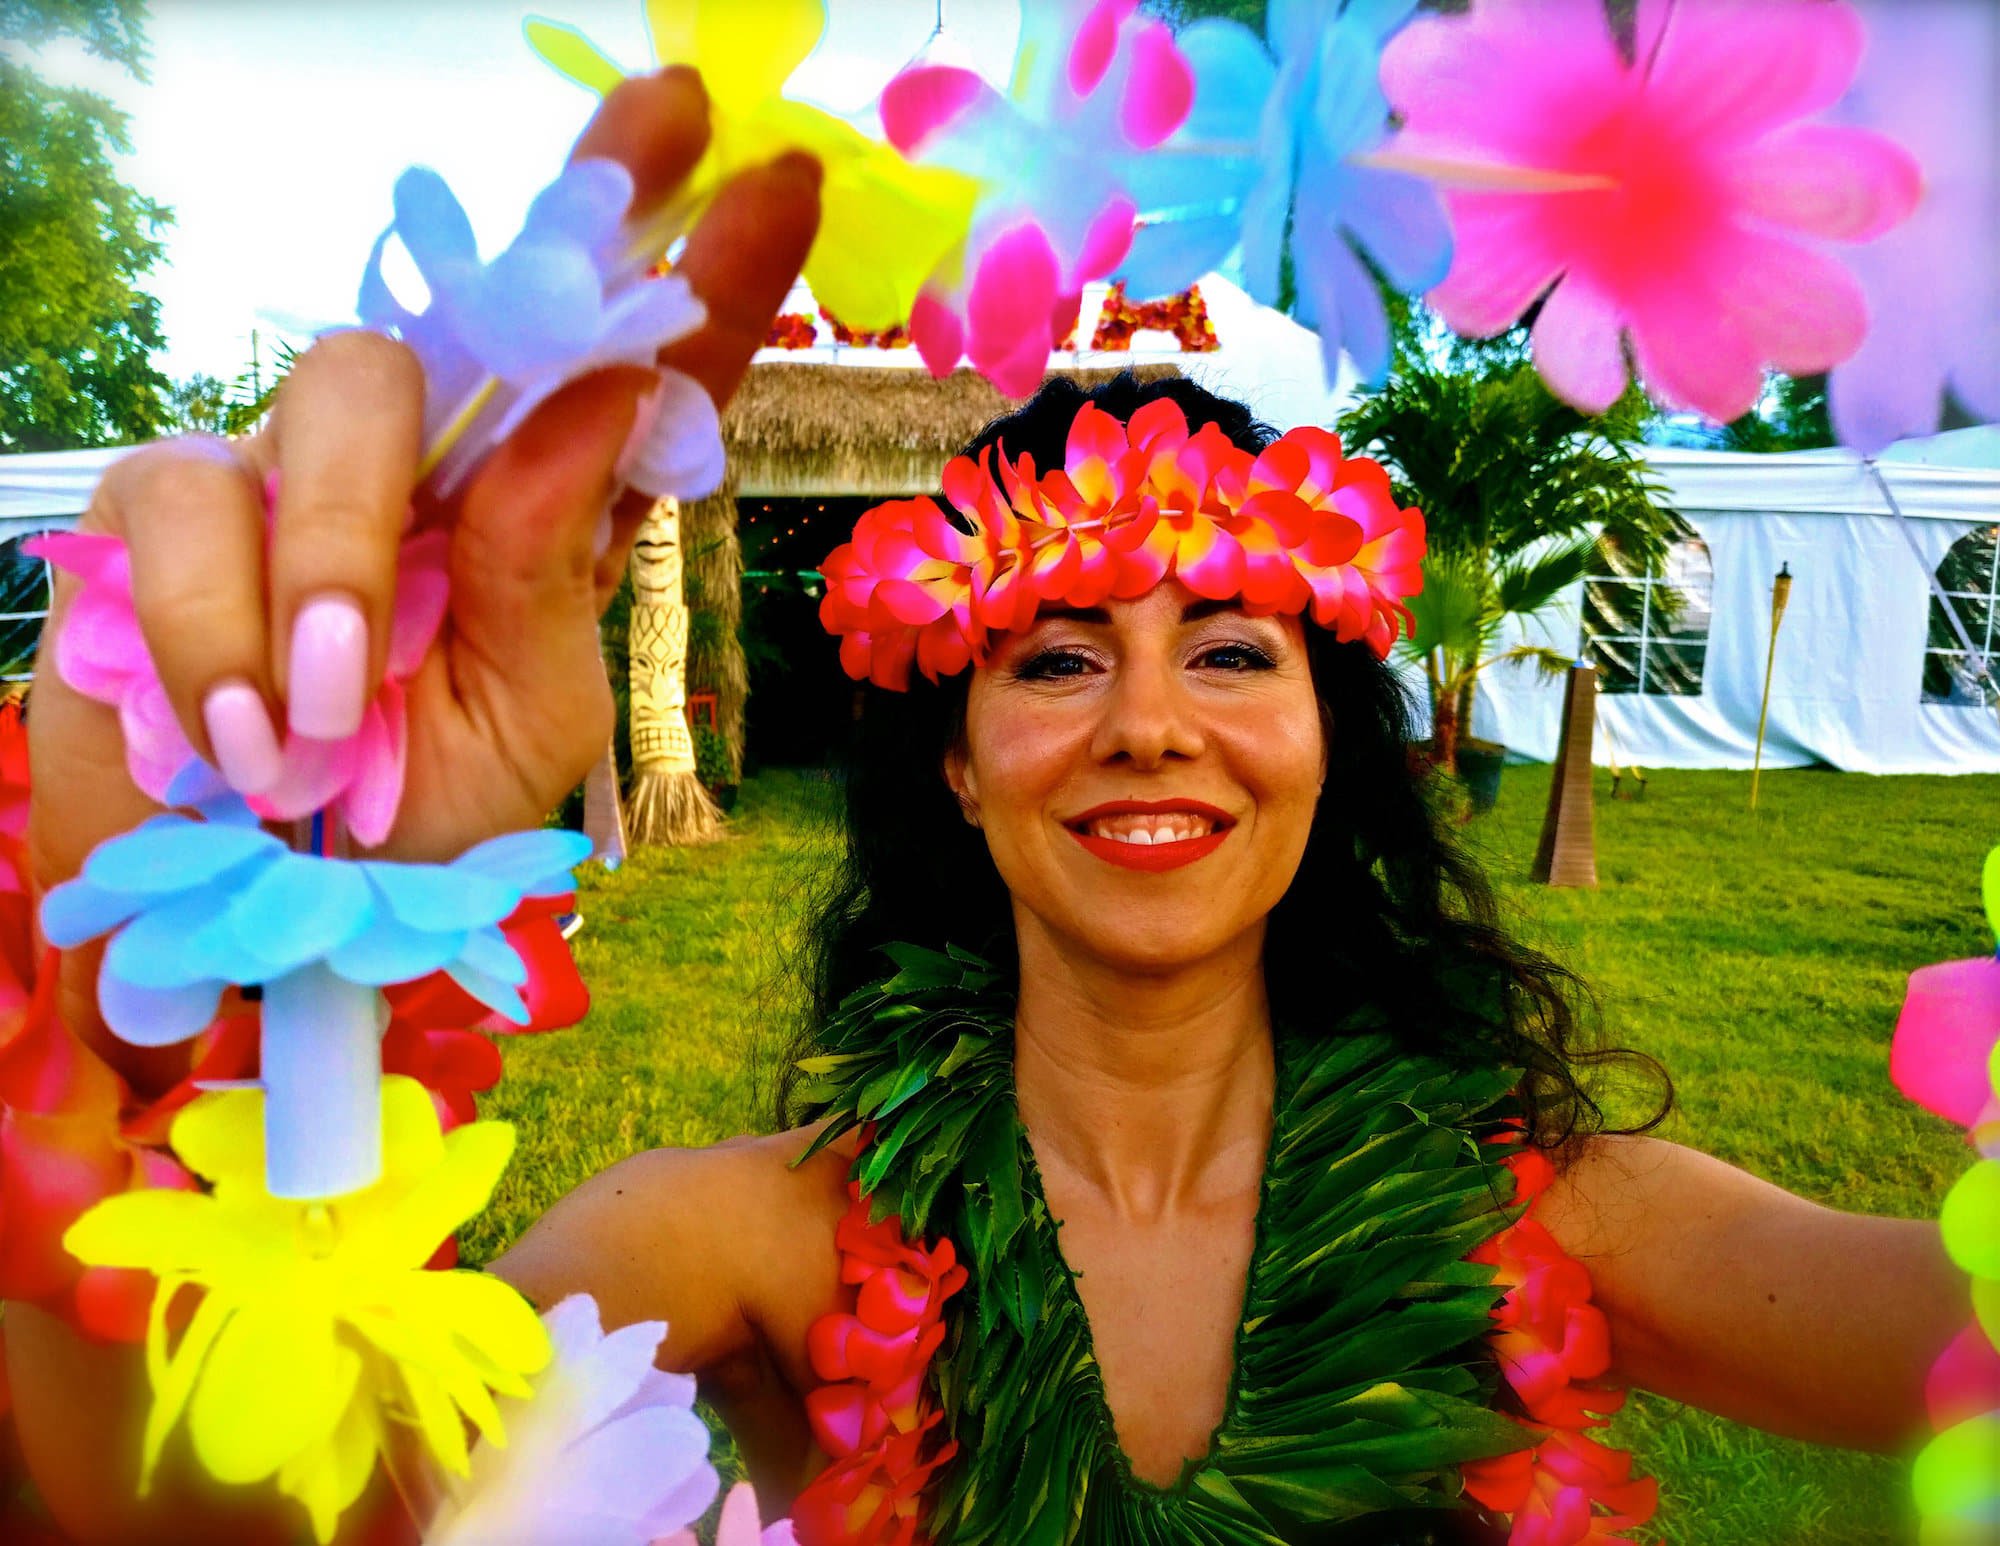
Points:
(102, 654)
(1702, 198)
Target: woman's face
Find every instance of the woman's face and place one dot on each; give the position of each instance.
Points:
(1145, 774)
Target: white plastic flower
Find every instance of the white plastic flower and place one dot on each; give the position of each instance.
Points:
(608, 1450)
(569, 296)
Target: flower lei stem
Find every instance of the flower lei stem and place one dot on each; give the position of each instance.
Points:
(322, 1072)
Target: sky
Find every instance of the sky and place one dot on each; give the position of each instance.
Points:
(275, 130)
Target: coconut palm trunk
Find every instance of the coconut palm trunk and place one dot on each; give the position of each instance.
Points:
(667, 803)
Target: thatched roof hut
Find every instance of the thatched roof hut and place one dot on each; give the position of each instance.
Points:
(877, 431)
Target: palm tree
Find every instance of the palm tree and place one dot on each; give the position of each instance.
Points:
(667, 803)
(1519, 493)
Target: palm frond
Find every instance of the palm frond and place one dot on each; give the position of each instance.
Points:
(1523, 586)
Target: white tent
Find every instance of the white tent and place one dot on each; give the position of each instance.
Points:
(1848, 684)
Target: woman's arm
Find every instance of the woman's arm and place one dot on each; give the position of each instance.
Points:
(1736, 1296)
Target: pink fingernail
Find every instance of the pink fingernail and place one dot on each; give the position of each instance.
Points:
(329, 669)
(240, 731)
(600, 542)
(644, 416)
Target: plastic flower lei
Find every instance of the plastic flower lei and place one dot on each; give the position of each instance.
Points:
(1946, 1057)
(317, 1331)
(317, 1320)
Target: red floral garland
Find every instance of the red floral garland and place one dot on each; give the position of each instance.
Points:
(1184, 315)
(792, 330)
(896, 336)
(875, 1417)
(1551, 1342)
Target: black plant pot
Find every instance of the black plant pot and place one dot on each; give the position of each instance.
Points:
(1479, 765)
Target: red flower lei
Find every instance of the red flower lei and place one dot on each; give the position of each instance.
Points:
(874, 1416)
(1551, 1342)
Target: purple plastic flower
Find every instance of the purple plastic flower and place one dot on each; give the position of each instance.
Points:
(1933, 285)
(569, 296)
(608, 1450)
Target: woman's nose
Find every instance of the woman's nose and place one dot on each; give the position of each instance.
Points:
(1149, 716)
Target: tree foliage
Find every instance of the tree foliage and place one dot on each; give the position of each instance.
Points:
(1518, 490)
(76, 331)
(110, 29)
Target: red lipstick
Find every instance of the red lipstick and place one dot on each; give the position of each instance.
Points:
(1151, 857)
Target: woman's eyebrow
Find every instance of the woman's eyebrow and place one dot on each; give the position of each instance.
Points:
(1193, 612)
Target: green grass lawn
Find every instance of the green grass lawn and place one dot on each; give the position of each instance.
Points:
(1761, 956)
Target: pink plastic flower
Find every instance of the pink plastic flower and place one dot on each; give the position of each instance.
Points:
(1052, 215)
(102, 654)
(1703, 241)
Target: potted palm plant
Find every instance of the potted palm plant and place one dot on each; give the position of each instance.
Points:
(1518, 491)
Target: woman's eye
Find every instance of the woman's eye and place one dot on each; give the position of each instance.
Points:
(1237, 657)
(1052, 663)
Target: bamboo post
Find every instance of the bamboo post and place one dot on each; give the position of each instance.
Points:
(1781, 593)
(1567, 853)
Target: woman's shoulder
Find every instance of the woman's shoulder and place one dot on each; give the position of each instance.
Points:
(732, 1245)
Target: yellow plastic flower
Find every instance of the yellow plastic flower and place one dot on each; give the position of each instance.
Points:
(318, 1325)
(884, 224)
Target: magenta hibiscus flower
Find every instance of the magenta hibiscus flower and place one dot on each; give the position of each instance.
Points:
(1702, 237)
(102, 654)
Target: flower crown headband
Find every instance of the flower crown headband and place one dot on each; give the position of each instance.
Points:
(1291, 528)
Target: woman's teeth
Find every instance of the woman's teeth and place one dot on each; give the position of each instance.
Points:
(1152, 829)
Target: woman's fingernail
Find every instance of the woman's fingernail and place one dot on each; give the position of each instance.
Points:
(644, 417)
(600, 543)
(329, 687)
(240, 730)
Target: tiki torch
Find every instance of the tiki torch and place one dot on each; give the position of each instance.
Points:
(1781, 592)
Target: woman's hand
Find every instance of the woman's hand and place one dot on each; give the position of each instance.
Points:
(511, 708)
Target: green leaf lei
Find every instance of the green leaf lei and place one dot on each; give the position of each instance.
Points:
(1362, 1376)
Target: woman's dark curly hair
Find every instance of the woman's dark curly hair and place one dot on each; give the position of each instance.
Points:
(1385, 910)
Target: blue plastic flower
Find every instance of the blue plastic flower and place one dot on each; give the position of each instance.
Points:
(569, 296)
(1266, 158)
(193, 906)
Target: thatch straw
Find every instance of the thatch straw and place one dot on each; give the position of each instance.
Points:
(670, 810)
(819, 429)
(714, 579)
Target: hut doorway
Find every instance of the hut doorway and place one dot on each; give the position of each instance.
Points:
(801, 703)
